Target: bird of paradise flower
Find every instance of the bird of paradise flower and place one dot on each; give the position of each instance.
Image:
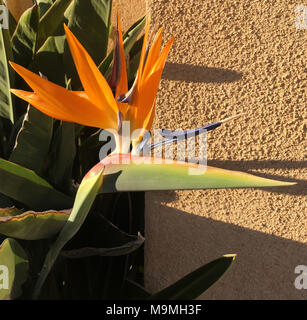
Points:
(106, 105)
(96, 105)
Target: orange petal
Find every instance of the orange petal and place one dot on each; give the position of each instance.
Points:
(143, 52)
(49, 109)
(65, 103)
(42, 105)
(153, 53)
(92, 80)
(150, 118)
(160, 63)
(141, 113)
(143, 100)
(122, 86)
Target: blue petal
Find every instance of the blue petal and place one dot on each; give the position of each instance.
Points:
(116, 70)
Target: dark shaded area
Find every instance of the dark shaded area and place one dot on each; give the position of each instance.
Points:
(194, 73)
(264, 267)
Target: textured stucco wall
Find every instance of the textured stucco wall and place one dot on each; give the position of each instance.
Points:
(17, 7)
(231, 57)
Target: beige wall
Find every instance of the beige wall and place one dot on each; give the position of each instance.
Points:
(231, 57)
(17, 7)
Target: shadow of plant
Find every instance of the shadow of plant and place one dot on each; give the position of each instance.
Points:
(194, 73)
(264, 268)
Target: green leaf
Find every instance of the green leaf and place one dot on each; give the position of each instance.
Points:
(63, 155)
(85, 197)
(44, 5)
(110, 252)
(3, 140)
(27, 187)
(195, 283)
(49, 58)
(24, 38)
(10, 212)
(12, 24)
(6, 76)
(145, 174)
(31, 225)
(33, 140)
(13, 269)
(93, 36)
(5, 201)
(12, 131)
(131, 35)
(105, 240)
(50, 21)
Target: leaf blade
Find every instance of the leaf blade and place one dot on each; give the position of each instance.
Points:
(31, 225)
(30, 189)
(124, 249)
(50, 21)
(195, 283)
(94, 36)
(105, 239)
(33, 140)
(49, 58)
(85, 197)
(13, 257)
(63, 155)
(24, 38)
(6, 76)
(148, 174)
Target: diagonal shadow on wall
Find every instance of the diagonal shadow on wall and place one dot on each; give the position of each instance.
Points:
(264, 268)
(195, 73)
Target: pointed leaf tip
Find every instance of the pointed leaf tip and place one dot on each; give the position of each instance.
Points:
(232, 255)
(195, 283)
